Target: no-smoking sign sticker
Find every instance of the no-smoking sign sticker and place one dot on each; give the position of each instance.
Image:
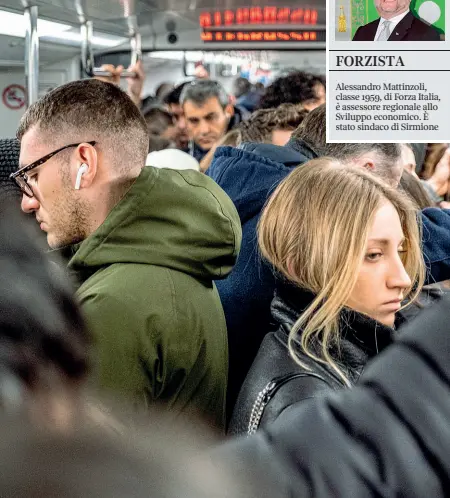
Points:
(14, 97)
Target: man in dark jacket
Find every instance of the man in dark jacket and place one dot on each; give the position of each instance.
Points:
(209, 115)
(396, 23)
(146, 246)
(386, 437)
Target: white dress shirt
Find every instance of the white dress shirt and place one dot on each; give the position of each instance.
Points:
(394, 21)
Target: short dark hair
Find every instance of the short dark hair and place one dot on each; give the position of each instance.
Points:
(91, 110)
(241, 86)
(313, 129)
(156, 143)
(158, 120)
(163, 89)
(42, 330)
(294, 88)
(261, 124)
(173, 97)
(199, 91)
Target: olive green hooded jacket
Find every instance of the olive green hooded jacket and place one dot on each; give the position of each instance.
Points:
(148, 294)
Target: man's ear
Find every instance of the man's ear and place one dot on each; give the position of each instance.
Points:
(370, 165)
(87, 154)
(229, 110)
(366, 161)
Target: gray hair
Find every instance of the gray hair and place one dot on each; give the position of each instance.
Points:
(343, 151)
(199, 91)
(388, 155)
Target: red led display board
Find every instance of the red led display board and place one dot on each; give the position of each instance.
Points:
(230, 36)
(258, 15)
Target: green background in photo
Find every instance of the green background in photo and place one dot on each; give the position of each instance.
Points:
(364, 11)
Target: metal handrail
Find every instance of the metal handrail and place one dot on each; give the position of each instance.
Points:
(87, 51)
(31, 54)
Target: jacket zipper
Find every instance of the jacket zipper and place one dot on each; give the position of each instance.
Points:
(263, 399)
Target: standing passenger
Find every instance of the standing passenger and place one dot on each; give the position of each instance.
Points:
(347, 249)
(386, 437)
(146, 245)
(209, 115)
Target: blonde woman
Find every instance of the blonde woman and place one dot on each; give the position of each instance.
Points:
(346, 248)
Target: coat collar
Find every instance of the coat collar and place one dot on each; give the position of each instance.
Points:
(357, 330)
(304, 148)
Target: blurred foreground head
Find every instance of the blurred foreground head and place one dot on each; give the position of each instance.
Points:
(43, 339)
(161, 461)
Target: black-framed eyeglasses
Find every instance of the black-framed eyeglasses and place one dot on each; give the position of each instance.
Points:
(20, 177)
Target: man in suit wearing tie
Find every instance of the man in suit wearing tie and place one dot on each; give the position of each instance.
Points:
(396, 23)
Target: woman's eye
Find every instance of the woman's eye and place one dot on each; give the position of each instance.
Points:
(373, 256)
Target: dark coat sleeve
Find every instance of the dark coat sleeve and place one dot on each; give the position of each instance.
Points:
(389, 436)
(436, 243)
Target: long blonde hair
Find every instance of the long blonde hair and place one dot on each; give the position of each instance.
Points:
(313, 230)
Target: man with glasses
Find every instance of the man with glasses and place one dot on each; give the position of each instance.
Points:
(145, 244)
(209, 114)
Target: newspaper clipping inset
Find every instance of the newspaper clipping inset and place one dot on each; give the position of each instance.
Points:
(388, 71)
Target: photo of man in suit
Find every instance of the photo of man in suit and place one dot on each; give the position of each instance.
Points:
(396, 23)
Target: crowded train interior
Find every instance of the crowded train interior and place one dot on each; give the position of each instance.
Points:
(200, 295)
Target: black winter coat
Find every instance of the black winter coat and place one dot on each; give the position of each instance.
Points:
(388, 436)
(276, 381)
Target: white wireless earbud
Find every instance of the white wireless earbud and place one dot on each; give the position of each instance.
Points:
(81, 171)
